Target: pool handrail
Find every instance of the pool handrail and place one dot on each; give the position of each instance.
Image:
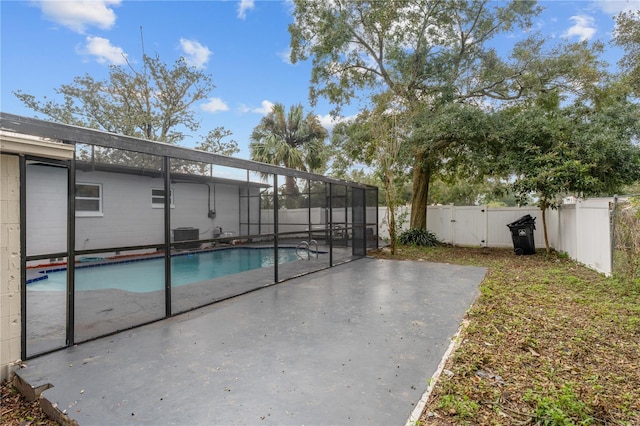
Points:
(305, 245)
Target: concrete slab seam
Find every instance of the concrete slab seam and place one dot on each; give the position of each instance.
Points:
(419, 408)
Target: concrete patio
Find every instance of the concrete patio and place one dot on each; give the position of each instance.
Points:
(355, 344)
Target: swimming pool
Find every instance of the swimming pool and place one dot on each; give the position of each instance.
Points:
(142, 276)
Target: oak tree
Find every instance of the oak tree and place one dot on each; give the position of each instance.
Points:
(429, 55)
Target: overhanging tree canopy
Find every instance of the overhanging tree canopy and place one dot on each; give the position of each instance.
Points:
(627, 36)
(586, 148)
(428, 54)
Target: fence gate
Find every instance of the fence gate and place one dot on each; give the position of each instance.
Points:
(469, 225)
(459, 225)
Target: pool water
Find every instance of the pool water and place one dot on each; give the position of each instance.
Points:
(148, 275)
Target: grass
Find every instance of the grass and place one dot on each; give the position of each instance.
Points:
(549, 342)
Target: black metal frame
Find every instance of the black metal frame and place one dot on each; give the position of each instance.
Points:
(71, 249)
(72, 135)
(23, 255)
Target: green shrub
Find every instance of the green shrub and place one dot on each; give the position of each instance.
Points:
(418, 237)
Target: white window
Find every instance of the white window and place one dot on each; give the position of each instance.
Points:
(88, 199)
(157, 198)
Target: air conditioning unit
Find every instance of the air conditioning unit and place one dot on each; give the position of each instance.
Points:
(186, 234)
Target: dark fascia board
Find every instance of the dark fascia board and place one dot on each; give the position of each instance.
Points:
(73, 134)
(88, 166)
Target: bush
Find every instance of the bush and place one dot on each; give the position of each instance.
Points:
(418, 237)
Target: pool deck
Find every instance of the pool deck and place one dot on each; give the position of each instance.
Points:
(355, 344)
(105, 311)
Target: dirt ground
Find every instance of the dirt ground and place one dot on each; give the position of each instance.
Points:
(15, 410)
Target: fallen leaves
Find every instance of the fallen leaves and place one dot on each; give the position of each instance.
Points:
(15, 410)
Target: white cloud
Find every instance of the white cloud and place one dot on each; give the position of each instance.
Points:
(613, 7)
(285, 55)
(103, 51)
(290, 6)
(264, 108)
(215, 105)
(328, 121)
(195, 54)
(583, 27)
(243, 7)
(78, 15)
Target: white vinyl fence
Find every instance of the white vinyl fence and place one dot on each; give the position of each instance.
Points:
(582, 230)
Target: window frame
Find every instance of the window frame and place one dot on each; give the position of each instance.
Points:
(161, 205)
(99, 198)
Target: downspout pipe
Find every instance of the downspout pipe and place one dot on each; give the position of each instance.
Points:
(210, 213)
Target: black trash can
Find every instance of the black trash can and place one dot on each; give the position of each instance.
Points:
(522, 235)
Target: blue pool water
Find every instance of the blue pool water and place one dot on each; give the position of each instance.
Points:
(143, 276)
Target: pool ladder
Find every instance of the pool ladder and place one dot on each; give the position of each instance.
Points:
(306, 246)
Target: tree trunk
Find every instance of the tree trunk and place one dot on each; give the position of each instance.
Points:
(421, 178)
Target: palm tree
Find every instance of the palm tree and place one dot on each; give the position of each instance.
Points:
(291, 140)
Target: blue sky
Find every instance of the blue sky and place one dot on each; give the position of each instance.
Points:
(242, 44)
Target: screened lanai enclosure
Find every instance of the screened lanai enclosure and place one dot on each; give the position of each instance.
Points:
(132, 231)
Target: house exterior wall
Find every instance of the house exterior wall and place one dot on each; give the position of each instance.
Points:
(10, 323)
(128, 217)
(47, 209)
